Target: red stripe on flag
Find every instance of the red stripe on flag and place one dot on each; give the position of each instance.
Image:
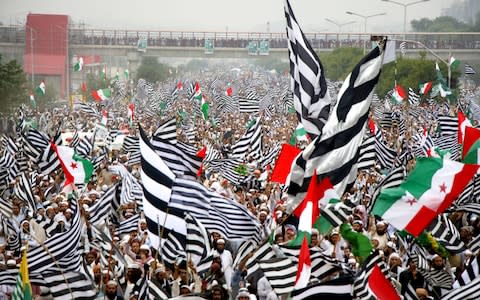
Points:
(459, 183)
(421, 220)
(381, 286)
(284, 163)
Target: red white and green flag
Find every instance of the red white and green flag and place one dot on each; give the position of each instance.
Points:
(327, 195)
(307, 212)
(424, 88)
(431, 188)
(471, 146)
(76, 168)
(131, 113)
(380, 286)
(202, 153)
(198, 92)
(304, 266)
(398, 94)
(463, 122)
(101, 94)
(180, 85)
(104, 117)
(79, 65)
(40, 90)
(372, 126)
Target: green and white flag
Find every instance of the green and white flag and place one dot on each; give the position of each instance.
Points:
(79, 65)
(205, 107)
(32, 100)
(40, 90)
(454, 63)
(103, 73)
(126, 73)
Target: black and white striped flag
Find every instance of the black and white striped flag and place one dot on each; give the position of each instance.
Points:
(24, 191)
(335, 152)
(448, 124)
(69, 285)
(336, 289)
(307, 78)
(402, 47)
(393, 179)
(250, 142)
(367, 155)
(469, 70)
(413, 98)
(128, 225)
(446, 233)
(167, 131)
(62, 249)
(198, 241)
(469, 274)
(470, 291)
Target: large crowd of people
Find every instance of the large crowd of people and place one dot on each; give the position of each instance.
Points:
(116, 273)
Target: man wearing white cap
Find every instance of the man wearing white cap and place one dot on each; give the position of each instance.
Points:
(379, 232)
(227, 261)
(111, 291)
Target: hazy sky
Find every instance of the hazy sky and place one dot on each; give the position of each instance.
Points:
(217, 15)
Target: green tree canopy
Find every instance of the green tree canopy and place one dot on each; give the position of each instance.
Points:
(13, 85)
(271, 63)
(410, 73)
(340, 62)
(151, 70)
(440, 24)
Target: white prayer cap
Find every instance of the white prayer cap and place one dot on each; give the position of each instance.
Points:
(220, 241)
(133, 266)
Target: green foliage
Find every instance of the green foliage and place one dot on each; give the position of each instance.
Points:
(44, 101)
(151, 70)
(410, 73)
(194, 65)
(440, 24)
(13, 85)
(340, 62)
(95, 83)
(271, 63)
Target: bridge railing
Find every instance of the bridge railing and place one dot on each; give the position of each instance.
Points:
(112, 37)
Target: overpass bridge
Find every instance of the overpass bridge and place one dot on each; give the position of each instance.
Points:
(122, 49)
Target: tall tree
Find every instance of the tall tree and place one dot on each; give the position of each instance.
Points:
(13, 85)
(440, 24)
(151, 70)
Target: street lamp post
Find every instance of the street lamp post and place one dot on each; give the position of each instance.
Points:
(32, 52)
(436, 56)
(339, 25)
(405, 5)
(67, 54)
(365, 18)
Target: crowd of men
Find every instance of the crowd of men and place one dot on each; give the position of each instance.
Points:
(117, 261)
